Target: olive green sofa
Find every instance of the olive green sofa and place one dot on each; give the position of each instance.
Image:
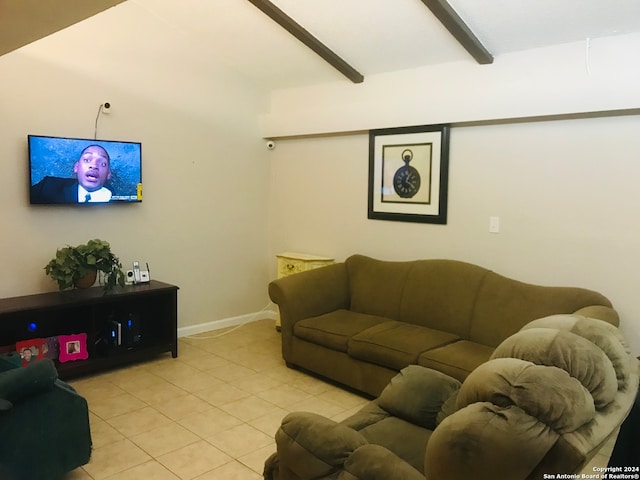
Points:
(361, 321)
(542, 406)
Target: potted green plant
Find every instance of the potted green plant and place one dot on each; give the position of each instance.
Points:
(78, 266)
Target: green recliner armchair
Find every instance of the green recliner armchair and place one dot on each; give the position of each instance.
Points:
(545, 403)
(44, 423)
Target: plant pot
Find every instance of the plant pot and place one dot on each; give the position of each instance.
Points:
(87, 280)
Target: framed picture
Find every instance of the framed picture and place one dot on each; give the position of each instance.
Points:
(30, 350)
(73, 347)
(409, 174)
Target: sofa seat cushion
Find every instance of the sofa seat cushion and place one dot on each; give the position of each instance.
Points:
(395, 344)
(333, 330)
(456, 359)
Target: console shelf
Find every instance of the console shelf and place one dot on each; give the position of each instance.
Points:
(153, 305)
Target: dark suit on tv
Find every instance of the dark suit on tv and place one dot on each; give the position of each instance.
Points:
(55, 190)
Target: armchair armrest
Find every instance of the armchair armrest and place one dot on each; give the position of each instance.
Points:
(373, 462)
(311, 446)
(417, 395)
(20, 383)
(309, 294)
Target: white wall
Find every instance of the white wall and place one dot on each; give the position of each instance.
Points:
(566, 192)
(202, 223)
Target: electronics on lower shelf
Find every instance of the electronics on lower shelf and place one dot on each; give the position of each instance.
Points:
(124, 332)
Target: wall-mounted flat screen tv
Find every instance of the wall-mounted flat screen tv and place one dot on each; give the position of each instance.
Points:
(79, 171)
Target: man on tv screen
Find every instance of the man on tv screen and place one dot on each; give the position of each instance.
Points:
(92, 170)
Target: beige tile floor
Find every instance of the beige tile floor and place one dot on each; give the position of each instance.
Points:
(209, 414)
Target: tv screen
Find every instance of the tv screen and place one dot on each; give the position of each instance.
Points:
(78, 171)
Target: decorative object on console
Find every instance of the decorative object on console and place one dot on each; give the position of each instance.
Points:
(30, 350)
(72, 264)
(292, 262)
(409, 173)
(73, 347)
(51, 348)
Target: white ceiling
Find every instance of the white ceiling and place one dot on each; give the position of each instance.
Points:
(373, 36)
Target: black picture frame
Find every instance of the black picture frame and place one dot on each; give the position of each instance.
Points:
(409, 174)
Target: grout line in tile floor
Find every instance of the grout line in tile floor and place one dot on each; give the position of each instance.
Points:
(209, 414)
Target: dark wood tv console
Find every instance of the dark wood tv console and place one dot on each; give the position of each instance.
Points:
(152, 307)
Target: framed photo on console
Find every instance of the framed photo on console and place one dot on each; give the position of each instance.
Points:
(73, 347)
(30, 350)
(409, 174)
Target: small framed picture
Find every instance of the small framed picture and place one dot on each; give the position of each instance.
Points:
(73, 347)
(30, 350)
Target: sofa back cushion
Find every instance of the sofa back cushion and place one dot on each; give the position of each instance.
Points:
(603, 334)
(505, 305)
(439, 294)
(576, 355)
(376, 286)
(547, 393)
(457, 297)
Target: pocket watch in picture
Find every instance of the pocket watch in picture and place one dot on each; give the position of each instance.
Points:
(406, 181)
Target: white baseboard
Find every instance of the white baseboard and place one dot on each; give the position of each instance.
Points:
(226, 322)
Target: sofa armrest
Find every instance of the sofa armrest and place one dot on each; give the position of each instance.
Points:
(311, 446)
(21, 383)
(311, 293)
(373, 462)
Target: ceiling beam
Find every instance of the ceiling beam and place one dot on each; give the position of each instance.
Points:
(452, 22)
(25, 21)
(309, 40)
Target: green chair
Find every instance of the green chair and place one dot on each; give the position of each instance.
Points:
(44, 423)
